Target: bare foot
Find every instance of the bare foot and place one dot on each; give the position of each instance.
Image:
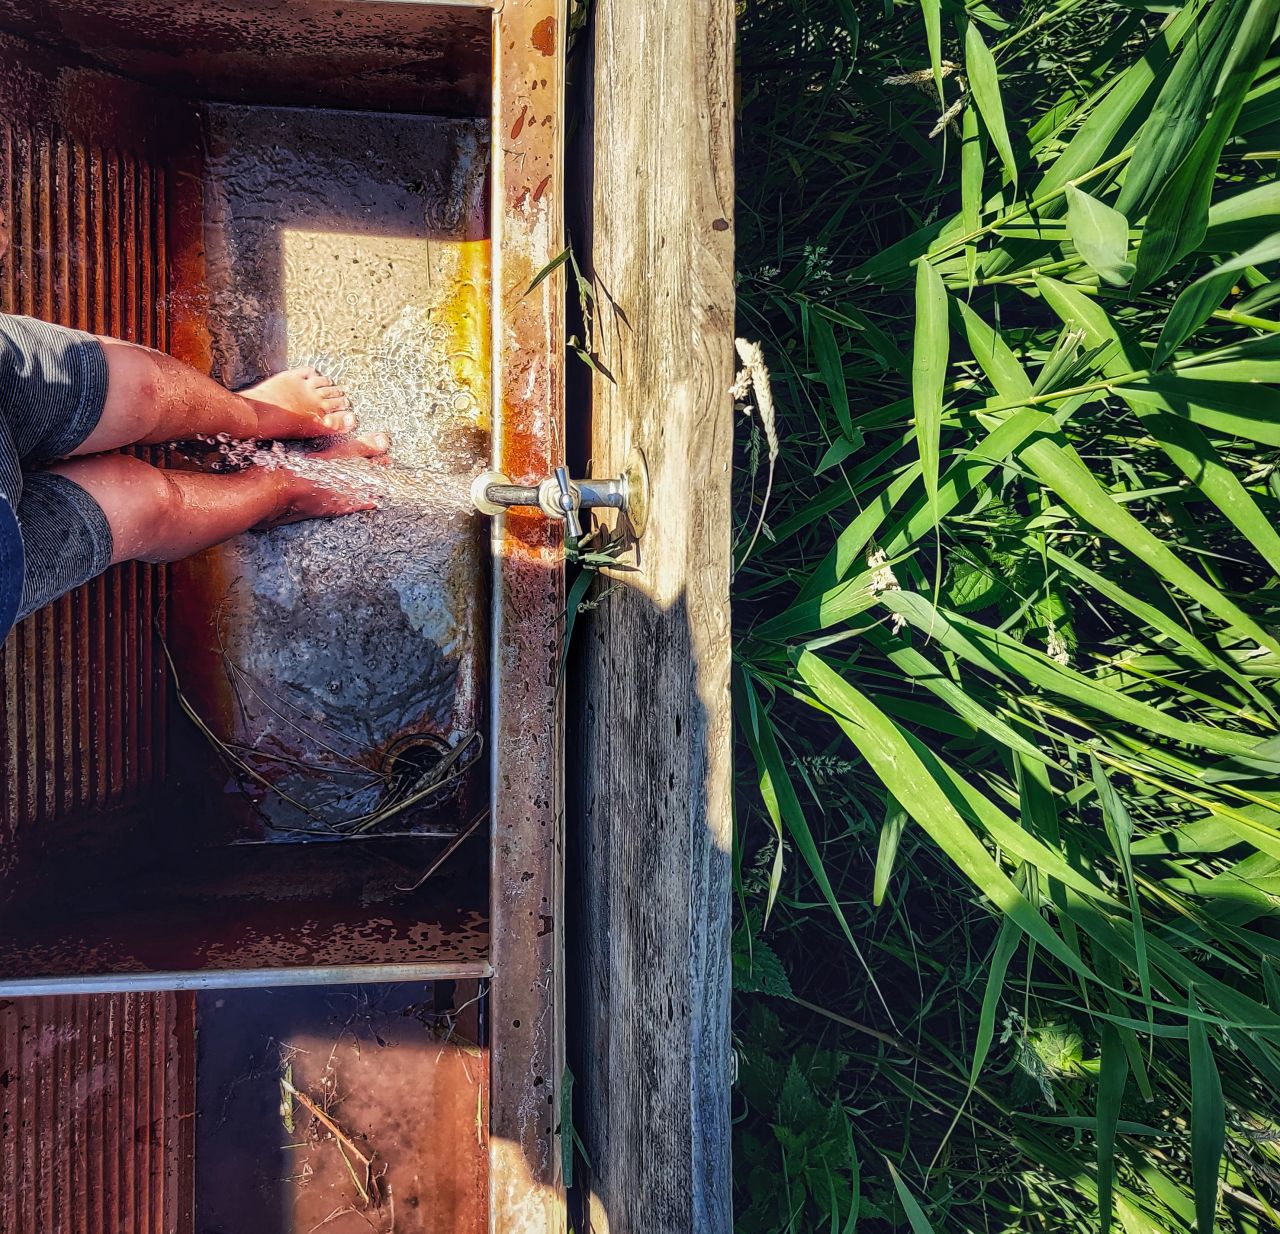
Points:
(301, 498)
(300, 402)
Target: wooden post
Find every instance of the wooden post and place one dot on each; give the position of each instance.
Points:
(651, 828)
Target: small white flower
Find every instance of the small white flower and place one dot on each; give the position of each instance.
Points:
(1056, 647)
(896, 622)
(884, 578)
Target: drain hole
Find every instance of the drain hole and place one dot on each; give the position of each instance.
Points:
(425, 769)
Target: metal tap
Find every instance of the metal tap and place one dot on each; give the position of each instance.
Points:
(559, 497)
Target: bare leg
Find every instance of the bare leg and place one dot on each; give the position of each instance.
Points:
(158, 515)
(151, 397)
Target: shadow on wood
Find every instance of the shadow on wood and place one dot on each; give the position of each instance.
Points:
(649, 824)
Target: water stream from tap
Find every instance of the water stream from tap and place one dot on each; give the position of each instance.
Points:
(385, 481)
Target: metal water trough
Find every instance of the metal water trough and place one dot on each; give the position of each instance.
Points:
(367, 183)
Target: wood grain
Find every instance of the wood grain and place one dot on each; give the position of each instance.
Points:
(651, 935)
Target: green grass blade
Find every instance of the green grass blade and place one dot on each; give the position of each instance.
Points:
(1006, 946)
(830, 364)
(1163, 624)
(780, 795)
(932, 10)
(1062, 470)
(920, 671)
(1246, 410)
(751, 704)
(910, 1205)
(994, 355)
(929, 373)
(1244, 219)
(1113, 121)
(1120, 829)
(984, 81)
(1192, 308)
(1179, 216)
(1113, 1073)
(1184, 103)
(885, 748)
(1011, 837)
(852, 542)
(972, 164)
(959, 634)
(895, 821)
(1208, 1123)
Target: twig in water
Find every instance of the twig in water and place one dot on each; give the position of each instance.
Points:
(439, 861)
(345, 1142)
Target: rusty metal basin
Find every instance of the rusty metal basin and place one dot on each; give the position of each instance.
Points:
(173, 176)
(370, 185)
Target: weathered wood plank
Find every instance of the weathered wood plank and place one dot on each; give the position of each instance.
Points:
(653, 824)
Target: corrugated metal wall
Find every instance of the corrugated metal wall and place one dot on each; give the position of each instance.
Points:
(96, 1114)
(81, 683)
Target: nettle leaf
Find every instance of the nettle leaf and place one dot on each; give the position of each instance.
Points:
(798, 1105)
(970, 587)
(1101, 236)
(757, 968)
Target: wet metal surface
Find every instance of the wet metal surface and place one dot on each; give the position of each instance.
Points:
(82, 704)
(526, 891)
(96, 1105)
(356, 242)
(249, 907)
(356, 53)
(353, 1109)
(132, 215)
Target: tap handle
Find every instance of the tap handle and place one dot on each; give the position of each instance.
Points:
(569, 504)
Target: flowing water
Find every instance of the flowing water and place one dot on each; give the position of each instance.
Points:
(356, 242)
(385, 481)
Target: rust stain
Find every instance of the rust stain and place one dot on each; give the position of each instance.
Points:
(518, 126)
(82, 697)
(528, 363)
(543, 36)
(96, 1098)
(401, 1070)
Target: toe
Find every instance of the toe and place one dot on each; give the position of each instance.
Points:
(340, 421)
(369, 445)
